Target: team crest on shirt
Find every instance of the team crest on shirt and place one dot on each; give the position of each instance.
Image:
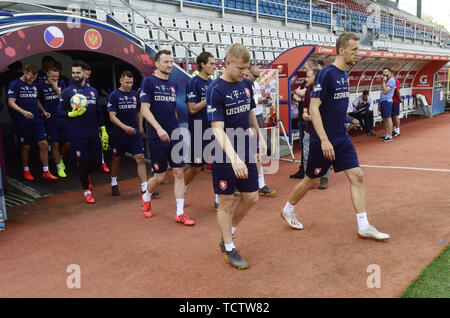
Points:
(92, 93)
(247, 92)
(223, 185)
(134, 99)
(156, 166)
(317, 171)
(172, 89)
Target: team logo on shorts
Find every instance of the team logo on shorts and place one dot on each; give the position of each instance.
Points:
(21, 139)
(317, 171)
(78, 153)
(247, 92)
(156, 166)
(172, 89)
(114, 150)
(223, 185)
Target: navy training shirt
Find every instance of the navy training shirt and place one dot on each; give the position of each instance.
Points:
(50, 101)
(332, 87)
(86, 125)
(195, 93)
(26, 96)
(162, 97)
(126, 106)
(231, 102)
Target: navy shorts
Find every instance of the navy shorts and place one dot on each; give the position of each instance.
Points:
(57, 134)
(120, 143)
(386, 109)
(30, 132)
(349, 119)
(345, 157)
(197, 146)
(225, 181)
(161, 155)
(395, 109)
(86, 148)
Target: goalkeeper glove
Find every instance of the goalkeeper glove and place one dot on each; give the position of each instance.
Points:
(77, 112)
(105, 138)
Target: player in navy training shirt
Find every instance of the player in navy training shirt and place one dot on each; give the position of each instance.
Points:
(49, 92)
(83, 127)
(230, 105)
(198, 117)
(158, 97)
(23, 99)
(330, 143)
(124, 112)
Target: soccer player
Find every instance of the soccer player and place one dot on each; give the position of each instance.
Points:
(158, 106)
(124, 112)
(230, 105)
(330, 143)
(23, 99)
(49, 92)
(47, 61)
(254, 73)
(84, 124)
(198, 117)
(396, 100)
(385, 106)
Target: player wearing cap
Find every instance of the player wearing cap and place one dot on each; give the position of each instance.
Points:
(84, 125)
(330, 143)
(124, 112)
(23, 100)
(230, 105)
(158, 97)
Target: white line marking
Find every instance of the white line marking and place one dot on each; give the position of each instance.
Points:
(406, 168)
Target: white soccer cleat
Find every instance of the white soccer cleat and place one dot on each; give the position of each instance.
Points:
(372, 232)
(292, 220)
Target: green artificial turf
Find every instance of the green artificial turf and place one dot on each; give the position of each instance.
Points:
(434, 281)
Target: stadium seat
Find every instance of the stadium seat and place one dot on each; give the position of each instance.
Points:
(193, 24)
(143, 33)
(273, 33)
(213, 37)
(247, 30)
(289, 35)
(238, 29)
(247, 40)
(267, 42)
(216, 26)
(257, 41)
(180, 51)
(153, 19)
(174, 33)
(221, 52)
(187, 36)
(296, 35)
(165, 46)
(200, 36)
(257, 31)
(228, 28)
(284, 43)
(205, 25)
(156, 33)
(292, 43)
(121, 15)
(236, 38)
(259, 55)
(276, 43)
(225, 38)
(100, 14)
(265, 32)
(180, 23)
(138, 19)
(167, 22)
(196, 49)
(211, 49)
(268, 55)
